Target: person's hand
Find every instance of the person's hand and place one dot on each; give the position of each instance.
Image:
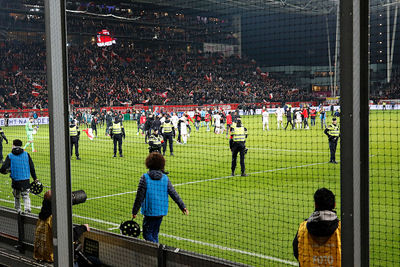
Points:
(87, 227)
(134, 216)
(185, 211)
(7, 142)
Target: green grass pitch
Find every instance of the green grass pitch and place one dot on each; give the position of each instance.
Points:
(251, 219)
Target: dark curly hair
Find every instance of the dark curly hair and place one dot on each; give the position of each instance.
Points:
(155, 161)
(324, 199)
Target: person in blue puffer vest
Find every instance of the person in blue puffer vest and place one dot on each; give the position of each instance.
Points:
(152, 196)
(21, 167)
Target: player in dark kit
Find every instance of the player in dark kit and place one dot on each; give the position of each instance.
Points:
(117, 132)
(2, 137)
(289, 118)
(93, 123)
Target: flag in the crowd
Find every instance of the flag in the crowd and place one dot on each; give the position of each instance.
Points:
(271, 96)
(208, 78)
(133, 72)
(242, 83)
(91, 62)
(145, 101)
(89, 133)
(247, 84)
(163, 95)
(147, 90)
(180, 79)
(165, 101)
(105, 39)
(139, 90)
(18, 73)
(34, 93)
(111, 92)
(37, 86)
(128, 91)
(258, 70)
(12, 94)
(264, 74)
(191, 93)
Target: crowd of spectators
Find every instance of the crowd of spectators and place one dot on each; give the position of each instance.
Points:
(388, 90)
(139, 21)
(129, 74)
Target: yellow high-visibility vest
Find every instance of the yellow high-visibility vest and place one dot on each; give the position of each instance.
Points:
(167, 127)
(73, 131)
(313, 252)
(334, 130)
(117, 128)
(239, 134)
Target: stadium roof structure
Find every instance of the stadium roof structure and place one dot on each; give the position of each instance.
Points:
(257, 6)
(230, 7)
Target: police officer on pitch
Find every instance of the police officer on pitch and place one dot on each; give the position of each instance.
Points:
(117, 132)
(155, 142)
(333, 133)
(237, 144)
(2, 137)
(168, 132)
(74, 134)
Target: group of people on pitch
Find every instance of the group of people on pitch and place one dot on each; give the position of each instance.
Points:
(317, 241)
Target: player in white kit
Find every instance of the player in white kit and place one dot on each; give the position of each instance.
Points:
(265, 118)
(279, 117)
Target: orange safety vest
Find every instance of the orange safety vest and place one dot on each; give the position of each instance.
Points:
(319, 251)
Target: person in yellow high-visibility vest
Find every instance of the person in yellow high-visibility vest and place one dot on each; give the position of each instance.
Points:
(333, 133)
(237, 144)
(74, 134)
(318, 241)
(117, 132)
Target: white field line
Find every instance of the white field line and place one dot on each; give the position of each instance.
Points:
(116, 226)
(215, 146)
(233, 250)
(215, 179)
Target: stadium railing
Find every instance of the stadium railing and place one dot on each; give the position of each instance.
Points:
(18, 232)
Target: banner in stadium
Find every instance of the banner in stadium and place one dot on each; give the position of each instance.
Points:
(227, 50)
(23, 121)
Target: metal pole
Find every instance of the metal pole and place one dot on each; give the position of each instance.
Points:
(393, 39)
(388, 41)
(329, 53)
(59, 134)
(354, 154)
(336, 48)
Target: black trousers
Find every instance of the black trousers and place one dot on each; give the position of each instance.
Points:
(168, 138)
(117, 138)
(238, 147)
(287, 124)
(74, 143)
(1, 151)
(155, 149)
(94, 128)
(332, 147)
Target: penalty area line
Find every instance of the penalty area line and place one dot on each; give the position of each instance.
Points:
(215, 179)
